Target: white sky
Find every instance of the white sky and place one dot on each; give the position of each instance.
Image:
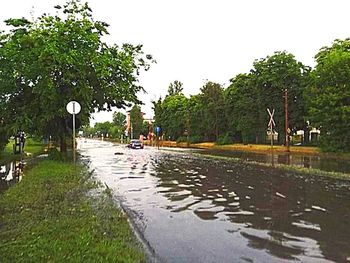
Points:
(198, 40)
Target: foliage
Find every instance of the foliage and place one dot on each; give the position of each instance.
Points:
(212, 98)
(146, 127)
(103, 128)
(226, 138)
(238, 113)
(243, 108)
(32, 147)
(329, 96)
(46, 63)
(51, 217)
(272, 76)
(136, 121)
(3, 139)
(175, 88)
(171, 115)
(55, 155)
(119, 119)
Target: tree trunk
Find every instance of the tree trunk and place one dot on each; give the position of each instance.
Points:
(306, 135)
(63, 144)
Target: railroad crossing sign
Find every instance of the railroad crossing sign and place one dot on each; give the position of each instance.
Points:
(271, 122)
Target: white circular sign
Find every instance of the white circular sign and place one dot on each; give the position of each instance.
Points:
(73, 107)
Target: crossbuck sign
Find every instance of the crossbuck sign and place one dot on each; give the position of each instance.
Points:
(271, 122)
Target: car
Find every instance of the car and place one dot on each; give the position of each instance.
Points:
(135, 144)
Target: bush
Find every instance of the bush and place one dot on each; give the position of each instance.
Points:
(181, 139)
(196, 139)
(225, 139)
(191, 139)
(329, 143)
(3, 142)
(55, 155)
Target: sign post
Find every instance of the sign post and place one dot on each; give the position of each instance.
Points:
(158, 129)
(73, 108)
(271, 124)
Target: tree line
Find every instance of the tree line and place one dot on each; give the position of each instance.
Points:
(117, 129)
(47, 62)
(318, 97)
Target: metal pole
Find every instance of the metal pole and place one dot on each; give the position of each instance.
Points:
(286, 118)
(74, 133)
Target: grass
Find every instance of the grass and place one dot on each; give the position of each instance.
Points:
(50, 216)
(32, 147)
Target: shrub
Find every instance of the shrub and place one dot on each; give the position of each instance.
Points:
(225, 139)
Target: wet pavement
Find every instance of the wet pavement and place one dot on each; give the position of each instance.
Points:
(324, 163)
(198, 209)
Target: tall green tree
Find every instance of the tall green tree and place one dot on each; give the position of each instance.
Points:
(272, 76)
(119, 119)
(329, 96)
(136, 121)
(46, 63)
(175, 88)
(212, 100)
(170, 115)
(242, 108)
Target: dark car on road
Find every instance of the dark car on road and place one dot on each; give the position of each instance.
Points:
(135, 144)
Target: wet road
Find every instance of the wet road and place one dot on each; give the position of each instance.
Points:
(324, 163)
(196, 209)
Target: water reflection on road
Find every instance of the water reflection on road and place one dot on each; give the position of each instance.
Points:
(330, 164)
(193, 209)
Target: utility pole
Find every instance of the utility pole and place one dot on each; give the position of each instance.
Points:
(286, 118)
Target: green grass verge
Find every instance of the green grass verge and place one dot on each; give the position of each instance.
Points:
(51, 217)
(32, 147)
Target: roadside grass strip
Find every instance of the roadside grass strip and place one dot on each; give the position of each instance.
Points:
(52, 215)
(32, 148)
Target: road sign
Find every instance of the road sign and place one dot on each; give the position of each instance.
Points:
(270, 125)
(271, 122)
(73, 107)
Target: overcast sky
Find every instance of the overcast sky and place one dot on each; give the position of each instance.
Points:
(194, 41)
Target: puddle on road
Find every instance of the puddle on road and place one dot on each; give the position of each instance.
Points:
(193, 209)
(329, 164)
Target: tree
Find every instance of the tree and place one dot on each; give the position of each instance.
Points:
(212, 99)
(46, 63)
(170, 115)
(329, 96)
(119, 119)
(136, 120)
(103, 128)
(175, 88)
(242, 108)
(271, 76)
(3, 137)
